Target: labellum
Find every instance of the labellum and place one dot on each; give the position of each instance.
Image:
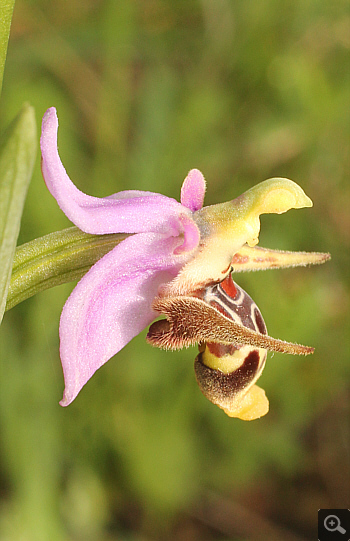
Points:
(226, 373)
(233, 342)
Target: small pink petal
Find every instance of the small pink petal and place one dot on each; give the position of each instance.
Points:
(126, 212)
(112, 303)
(193, 190)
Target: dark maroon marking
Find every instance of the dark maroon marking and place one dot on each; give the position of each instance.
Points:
(217, 383)
(238, 302)
(219, 308)
(222, 350)
(243, 311)
(260, 322)
(247, 371)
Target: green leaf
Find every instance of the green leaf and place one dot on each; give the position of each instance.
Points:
(6, 10)
(17, 156)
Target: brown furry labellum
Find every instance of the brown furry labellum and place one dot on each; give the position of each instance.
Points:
(233, 344)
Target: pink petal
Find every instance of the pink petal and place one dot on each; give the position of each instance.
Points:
(112, 303)
(193, 190)
(127, 212)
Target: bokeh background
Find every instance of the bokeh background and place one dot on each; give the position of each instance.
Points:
(146, 90)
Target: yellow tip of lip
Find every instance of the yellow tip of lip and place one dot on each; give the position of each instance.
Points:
(253, 405)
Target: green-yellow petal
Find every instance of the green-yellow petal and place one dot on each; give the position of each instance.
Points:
(276, 195)
(226, 227)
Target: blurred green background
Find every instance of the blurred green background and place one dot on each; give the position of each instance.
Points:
(146, 90)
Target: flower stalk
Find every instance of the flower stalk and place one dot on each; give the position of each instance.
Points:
(55, 259)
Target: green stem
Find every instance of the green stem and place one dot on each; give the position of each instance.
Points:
(57, 258)
(6, 10)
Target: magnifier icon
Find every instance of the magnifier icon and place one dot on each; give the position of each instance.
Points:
(332, 524)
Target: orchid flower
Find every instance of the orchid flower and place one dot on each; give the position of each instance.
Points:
(177, 261)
